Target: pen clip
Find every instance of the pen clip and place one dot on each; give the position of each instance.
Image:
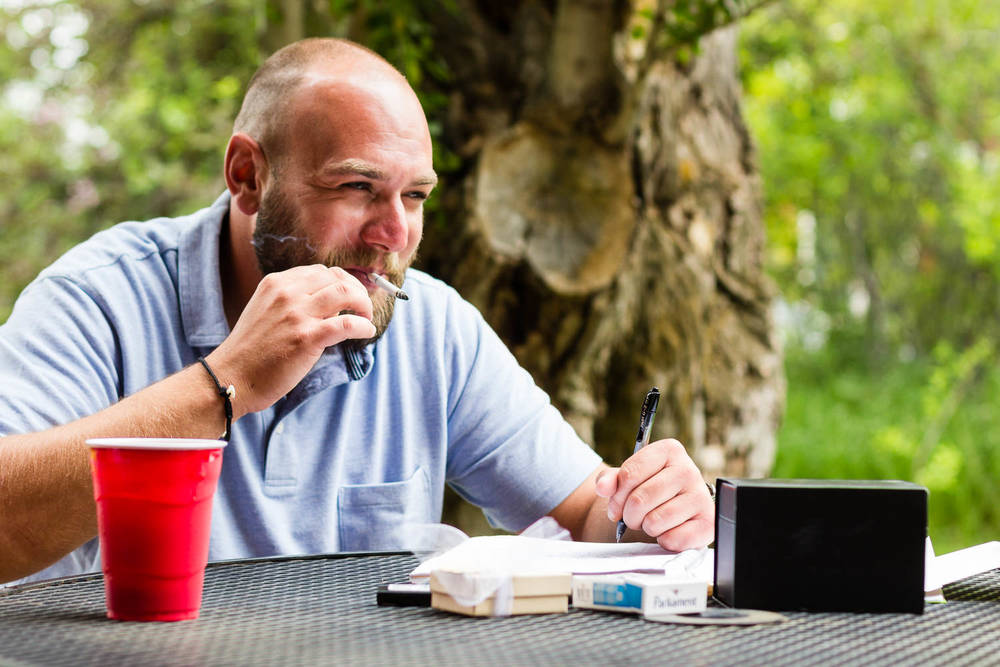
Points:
(646, 416)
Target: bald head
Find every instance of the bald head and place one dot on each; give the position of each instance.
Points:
(265, 106)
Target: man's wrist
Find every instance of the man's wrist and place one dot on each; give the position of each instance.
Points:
(226, 393)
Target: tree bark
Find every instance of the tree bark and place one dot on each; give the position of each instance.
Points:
(606, 220)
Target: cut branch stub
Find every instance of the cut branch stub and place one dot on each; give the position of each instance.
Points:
(563, 204)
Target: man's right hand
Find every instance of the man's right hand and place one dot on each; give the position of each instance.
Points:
(291, 318)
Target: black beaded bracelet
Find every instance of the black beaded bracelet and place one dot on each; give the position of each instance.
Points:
(227, 394)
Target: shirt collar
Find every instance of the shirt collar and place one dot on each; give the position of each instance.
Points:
(200, 287)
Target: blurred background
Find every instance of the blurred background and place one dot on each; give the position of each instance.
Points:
(824, 176)
(878, 130)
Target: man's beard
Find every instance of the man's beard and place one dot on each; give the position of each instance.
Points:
(280, 245)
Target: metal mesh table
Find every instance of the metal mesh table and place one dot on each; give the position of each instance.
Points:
(321, 610)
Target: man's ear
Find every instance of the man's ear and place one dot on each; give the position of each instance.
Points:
(245, 170)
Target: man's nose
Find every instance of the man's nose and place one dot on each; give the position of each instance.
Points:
(389, 228)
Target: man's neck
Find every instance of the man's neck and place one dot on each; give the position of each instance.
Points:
(238, 269)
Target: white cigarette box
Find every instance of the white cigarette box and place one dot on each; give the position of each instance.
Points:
(647, 594)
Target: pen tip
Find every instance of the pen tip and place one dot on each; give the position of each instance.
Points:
(402, 295)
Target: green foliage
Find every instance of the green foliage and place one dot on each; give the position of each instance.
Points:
(673, 30)
(847, 422)
(878, 126)
(688, 20)
(112, 111)
(878, 130)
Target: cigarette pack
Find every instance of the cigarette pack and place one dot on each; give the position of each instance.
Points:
(647, 594)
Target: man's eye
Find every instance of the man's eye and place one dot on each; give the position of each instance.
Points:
(359, 185)
(417, 194)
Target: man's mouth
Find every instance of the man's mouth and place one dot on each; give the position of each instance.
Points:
(362, 275)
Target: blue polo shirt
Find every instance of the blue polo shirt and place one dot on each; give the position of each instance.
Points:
(360, 449)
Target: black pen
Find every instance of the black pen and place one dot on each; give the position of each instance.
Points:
(642, 439)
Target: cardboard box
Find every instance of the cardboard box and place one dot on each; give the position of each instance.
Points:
(537, 604)
(475, 593)
(820, 545)
(648, 594)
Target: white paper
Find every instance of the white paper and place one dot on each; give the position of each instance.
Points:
(510, 553)
(948, 568)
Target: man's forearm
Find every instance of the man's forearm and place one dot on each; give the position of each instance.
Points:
(47, 506)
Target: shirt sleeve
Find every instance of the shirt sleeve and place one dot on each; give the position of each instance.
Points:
(58, 363)
(510, 451)
(58, 359)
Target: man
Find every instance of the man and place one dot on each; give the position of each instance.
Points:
(345, 429)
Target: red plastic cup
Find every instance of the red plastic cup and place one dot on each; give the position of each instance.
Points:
(154, 515)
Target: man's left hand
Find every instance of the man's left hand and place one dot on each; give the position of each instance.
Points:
(660, 491)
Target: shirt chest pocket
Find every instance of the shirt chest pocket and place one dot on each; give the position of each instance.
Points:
(376, 517)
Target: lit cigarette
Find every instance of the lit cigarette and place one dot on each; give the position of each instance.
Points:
(383, 283)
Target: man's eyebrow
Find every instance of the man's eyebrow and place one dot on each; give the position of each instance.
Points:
(430, 179)
(353, 166)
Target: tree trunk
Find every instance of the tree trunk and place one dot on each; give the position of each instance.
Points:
(606, 220)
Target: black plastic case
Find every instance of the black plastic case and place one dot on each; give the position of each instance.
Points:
(820, 545)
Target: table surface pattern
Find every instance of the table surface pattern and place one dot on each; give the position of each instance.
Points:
(321, 610)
